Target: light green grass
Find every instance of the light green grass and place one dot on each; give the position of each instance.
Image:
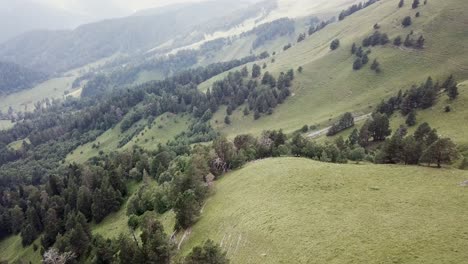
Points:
(12, 251)
(146, 76)
(17, 145)
(53, 88)
(328, 86)
(148, 138)
(25, 99)
(6, 124)
(312, 212)
(163, 129)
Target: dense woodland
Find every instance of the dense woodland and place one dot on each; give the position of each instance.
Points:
(14, 78)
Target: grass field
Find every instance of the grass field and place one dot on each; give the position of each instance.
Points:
(328, 86)
(53, 88)
(312, 212)
(5, 124)
(12, 251)
(163, 129)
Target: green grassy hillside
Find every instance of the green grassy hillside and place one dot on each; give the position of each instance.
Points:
(328, 86)
(163, 129)
(312, 212)
(13, 251)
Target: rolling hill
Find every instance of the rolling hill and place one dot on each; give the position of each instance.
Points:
(270, 210)
(312, 212)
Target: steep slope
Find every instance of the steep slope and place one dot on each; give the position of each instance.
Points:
(312, 212)
(328, 85)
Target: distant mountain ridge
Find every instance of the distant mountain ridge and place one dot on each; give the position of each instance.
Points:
(20, 16)
(59, 51)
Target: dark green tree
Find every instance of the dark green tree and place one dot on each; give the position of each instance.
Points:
(256, 71)
(156, 247)
(401, 3)
(353, 49)
(357, 65)
(442, 151)
(379, 127)
(208, 253)
(411, 119)
(397, 41)
(334, 44)
(406, 21)
(227, 120)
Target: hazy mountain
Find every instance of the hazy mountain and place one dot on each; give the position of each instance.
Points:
(14, 78)
(56, 51)
(19, 16)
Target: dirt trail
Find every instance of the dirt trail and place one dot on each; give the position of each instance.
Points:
(323, 131)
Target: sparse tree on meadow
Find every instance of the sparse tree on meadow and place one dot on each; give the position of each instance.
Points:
(335, 44)
(401, 3)
(411, 119)
(443, 151)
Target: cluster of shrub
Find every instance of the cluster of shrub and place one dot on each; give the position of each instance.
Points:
(410, 42)
(362, 57)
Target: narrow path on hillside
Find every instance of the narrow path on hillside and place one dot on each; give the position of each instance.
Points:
(318, 133)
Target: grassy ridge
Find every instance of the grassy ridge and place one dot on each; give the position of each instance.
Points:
(312, 212)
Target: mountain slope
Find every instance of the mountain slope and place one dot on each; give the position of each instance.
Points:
(14, 78)
(329, 86)
(20, 16)
(57, 51)
(312, 212)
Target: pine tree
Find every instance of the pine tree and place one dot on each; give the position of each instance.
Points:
(376, 66)
(408, 41)
(256, 115)
(415, 4)
(379, 127)
(256, 71)
(406, 21)
(452, 92)
(227, 120)
(155, 244)
(420, 42)
(411, 119)
(401, 3)
(353, 49)
(365, 59)
(357, 65)
(208, 253)
(353, 138)
(442, 151)
(397, 41)
(335, 44)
